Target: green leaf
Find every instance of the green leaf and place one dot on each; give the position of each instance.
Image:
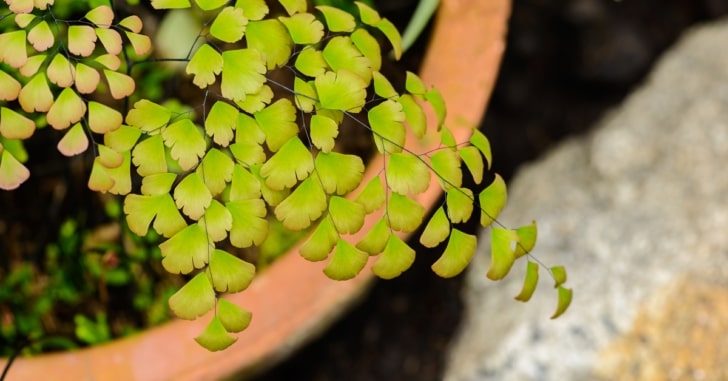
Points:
(323, 132)
(436, 230)
(529, 282)
(368, 15)
(229, 25)
(215, 338)
(414, 115)
(149, 156)
(121, 175)
(304, 205)
(337, 20)
(384, 88)
(10, 87)
(243, 185)
(16, 126)
(208, 5)
(340, 53)
(559, 274)
(347, 215)
(217, 221)
(318, 246)
(565, 295)
(229, 273)
(376, 239)
(170, 4)
(192, 196)
(311, 62)
(272, 197)
(278, 123)
(386, 120)
(140, 210)
(148, 116)
(256, 102)
(103, 119)
(460, 249)
(272, 40)
(220, 123)
(293, 162)
(73, 142)
(68, 108)
(414, 84)
(243, 72)
(250, 226)
(419, 20)
(12, 172)
(247, 154)
(390, 31)
(253, 9)
(194, 299)
(248, 130)
(158, 184)
(186, 142)
(60, 71)
(526, 239)
(303, 28)
(473, 161)
(36, 95)
(434, 97)
(346, 262)
(304, 94)
(372, 197)
(341, 90)
(502, 253)
(395, 259)
(406, 173)
(492, 200)
(369, 47)
(405, 214)
(216, 171)
(13, 50)
(187, 250)
(294, 6)
(481, 142)
(232, 317)
(204, 65)
(339, 173)
(446, 164)
(459, 204)
(447, 138)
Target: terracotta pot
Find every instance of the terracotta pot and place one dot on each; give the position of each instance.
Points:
(293, 301)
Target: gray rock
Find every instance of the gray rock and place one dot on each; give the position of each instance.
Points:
(638, 213)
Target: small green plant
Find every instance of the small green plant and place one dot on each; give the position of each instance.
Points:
(260, 143)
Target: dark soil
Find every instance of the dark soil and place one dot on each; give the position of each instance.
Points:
(567, 62)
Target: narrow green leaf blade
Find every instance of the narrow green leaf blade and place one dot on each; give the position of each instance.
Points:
(386, 120)
(473, 161)
(559, 274)
(502, 253)
(526, 239)
(459, 204)
(460, 249)
(480, 141)
(436, 230)
(565, 295)
(492, 200)
(529, 282)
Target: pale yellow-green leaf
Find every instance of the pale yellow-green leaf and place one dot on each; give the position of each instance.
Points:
(140, 43)
(215, 338)
(565, 295)
(404, 213)
(243, 185)
(407, 174)
(81, 40)
(12, 48)
(318, 246)
(256, 101)
(347, 215)
(342, 90)
(530, 282)
(232, 317)
(229, 25)
(386, 121)
(479, 140)
(384, 88)
(74, 141)
(109, 61)
(368, 15)
(337, 20)
(186, 143)
(149, 156)
(249, 224)
(220, 123)
(192, 196)
(376, 238)
(340, 53)
(41, 36)
(229, 273)
(158, 184)
(103, 119)
(369, 47)
(194, 299)
(473, 161)
(414, 84)
(253, 9)
(36, 95)
(436, 230)
(120, 84)
(102, 16)
(434, 97)
(86, 78)
(559, 274)
(216, 170)
(204, 65)
(12, 172)
(373, 195)
(323, 132)
(305, 95)
(278, 123)
(186, 250)
(122, 139)
(396, 258)
(148, 116)
(9, 87)
(392, 34)
(68, 108)
(446, 165)
(502, 255)
(460, 249)
(60, 71)
(294, 6)
(14, 125)
(492, 200)
(346, 262)
(132, 23)
(304, 28)
(339, 173)
(217, 221)
(292, 163)
(304, 205)
(32, 65)
(208, 5)
(526, 239)
(242, 72)
(459, 204)
(310, 62)
(271, 39)
(110, 40)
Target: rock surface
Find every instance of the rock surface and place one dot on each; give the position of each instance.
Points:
(638, 213)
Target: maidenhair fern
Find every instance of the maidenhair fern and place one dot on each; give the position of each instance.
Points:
(255, 144)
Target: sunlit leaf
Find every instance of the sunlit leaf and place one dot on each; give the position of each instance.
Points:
(41, 36)
(386, 120)
(340, 53)
(220, 123)
(565, 295)
(124, 138)
(12, 48)
(102, 16)
(120, 85)
(215, 338)
(74, 141)
(347, 215)
(304, 205)
(14, 125)
(149, 156)
(67, 109)
(256, 101)
(108, 157)
(447, 138)
(396, 258)
(217, 221)
(346, 262)
(339, 173)
(187, 250)
(369, 47)
(436, 230)
(502, 253)
(253, 9)
(529, 282)
(292, 163)
(109, 61)
(216, 170)
(186, 142)
(368, 15)
(110, 39)
(559, 274)
(194, 299)
(243, 185)
(23, 19)
(232, 317)
(86, 79)
(390, 31)
(140, 43)
(278, 123)
(32, 65)
(242, 72)
(303, 28)
(60, 71)
(341, 90)
(229, 25)
(132, 22)
(249, 224)
(148, 116)
(121, 175)
(208, 5)
(247, 154)
(81, 40)
(492, 200)
(414, 84)
(230, 273)
(323, 132)
(192, 196)
(271, 39)
(170, 4)
(473, 161)
(318, 246)
(103, 119)
(9, 87)
(337, 20)
(99, 180)
(36, 95)
(406, 173)
(294, 6)
(311, 62)
(526, 239)
(434, 97)
(205, 64)
(383, 87)
(446, 164)
(373, 195)
(479, 140)
(158, 184)
(376, 238)
(140, 210)
(271, 197)
(404, 213)
(460, 249)
(12, 172)
(459, 204)
(305, 95)
(20, 6)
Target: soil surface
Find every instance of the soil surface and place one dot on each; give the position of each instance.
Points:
(567, 62)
